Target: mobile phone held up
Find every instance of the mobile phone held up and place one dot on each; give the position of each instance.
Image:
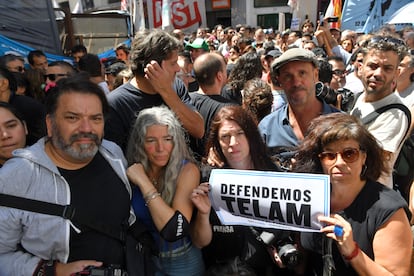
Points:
(333, 19)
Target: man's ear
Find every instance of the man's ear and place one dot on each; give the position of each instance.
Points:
(4, 84)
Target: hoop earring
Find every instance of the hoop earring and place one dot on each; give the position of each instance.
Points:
(364, 171)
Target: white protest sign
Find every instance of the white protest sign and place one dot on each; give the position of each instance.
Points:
(290, 201)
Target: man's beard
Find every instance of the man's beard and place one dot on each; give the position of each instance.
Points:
(80, 152)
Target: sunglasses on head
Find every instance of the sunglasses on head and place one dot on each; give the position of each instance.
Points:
(349, 155)
(53, 77)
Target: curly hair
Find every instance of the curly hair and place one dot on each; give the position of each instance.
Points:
(258, 154)
(386, 43)
(333, 127)
(160, 115)
(257, 98)
(247, 67)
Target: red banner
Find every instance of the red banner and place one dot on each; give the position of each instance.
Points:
(185, 14)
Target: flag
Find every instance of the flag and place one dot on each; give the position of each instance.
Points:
(166, 15)
(138, 15)
(335, 9)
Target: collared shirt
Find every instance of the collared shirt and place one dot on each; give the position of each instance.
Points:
(277, 131)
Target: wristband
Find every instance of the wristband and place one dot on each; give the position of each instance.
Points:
(353, 254)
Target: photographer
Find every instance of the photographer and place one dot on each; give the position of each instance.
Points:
(329, 89)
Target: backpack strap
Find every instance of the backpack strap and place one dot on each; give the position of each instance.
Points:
(64, 211)
(374, 114)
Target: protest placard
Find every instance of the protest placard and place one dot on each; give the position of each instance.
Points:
(289, 201)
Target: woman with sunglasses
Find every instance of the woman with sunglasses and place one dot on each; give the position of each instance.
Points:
(368, 232)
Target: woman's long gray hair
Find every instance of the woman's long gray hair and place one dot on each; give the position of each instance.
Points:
(135, 152)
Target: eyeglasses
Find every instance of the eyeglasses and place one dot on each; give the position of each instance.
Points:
(339, 72)
(349, 155)
(387, 39)
(53, 77)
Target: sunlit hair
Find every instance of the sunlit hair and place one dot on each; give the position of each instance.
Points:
(151, 45)
(334, 127)
(237, 114)
(386, 43)
(257, 98)
(136, 154)
(78, 83)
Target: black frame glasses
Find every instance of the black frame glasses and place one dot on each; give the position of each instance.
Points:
(349, 155)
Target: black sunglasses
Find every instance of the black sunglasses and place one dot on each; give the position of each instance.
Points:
(53, 77)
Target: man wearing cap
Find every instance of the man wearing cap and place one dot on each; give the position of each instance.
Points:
(296, 71)
(198, 47)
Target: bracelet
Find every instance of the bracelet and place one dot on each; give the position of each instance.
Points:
(151, 197)
(149, 194)
(353, 254)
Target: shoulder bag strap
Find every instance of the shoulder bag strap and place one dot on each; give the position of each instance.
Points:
(374, 114)
(64, 211)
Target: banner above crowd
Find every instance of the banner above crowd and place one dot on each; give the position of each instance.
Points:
(186, 15)
(365, 16)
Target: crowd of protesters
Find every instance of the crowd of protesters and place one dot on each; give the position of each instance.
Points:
(177, 105)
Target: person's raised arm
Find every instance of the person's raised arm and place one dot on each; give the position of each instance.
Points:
(201, 232)
(162, 81)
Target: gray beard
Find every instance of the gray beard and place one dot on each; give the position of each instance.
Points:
(80, 152)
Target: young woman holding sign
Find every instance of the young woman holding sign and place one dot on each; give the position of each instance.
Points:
(368, 232)
(235, 139)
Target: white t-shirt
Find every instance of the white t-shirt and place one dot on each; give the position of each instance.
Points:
(389, 128)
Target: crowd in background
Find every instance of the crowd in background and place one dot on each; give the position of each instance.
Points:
(240, 98)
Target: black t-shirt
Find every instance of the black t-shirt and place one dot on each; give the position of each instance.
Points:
(98, 192)
(125, 104)
(207, 106)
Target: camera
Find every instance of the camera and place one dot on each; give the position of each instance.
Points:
(102, 271)
(282, 248)
(329, 95)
